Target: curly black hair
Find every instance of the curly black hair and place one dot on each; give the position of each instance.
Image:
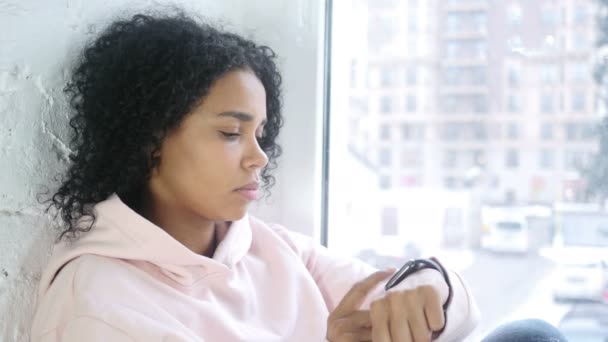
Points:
(132, 85)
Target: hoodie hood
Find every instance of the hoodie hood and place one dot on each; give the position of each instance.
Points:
(119, 232)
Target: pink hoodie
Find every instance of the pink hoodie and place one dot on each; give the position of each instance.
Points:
(128, 280)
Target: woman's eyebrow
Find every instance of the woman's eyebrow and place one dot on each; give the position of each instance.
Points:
(246, 117)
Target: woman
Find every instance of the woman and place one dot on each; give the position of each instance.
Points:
(175, 131)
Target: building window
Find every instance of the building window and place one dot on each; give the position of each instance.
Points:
(450, 159)
(385, 182)
(358, 105)
(385, 132)
(353, 74)
(410, 103)
(513, 77)
(387, 105)
(390, 221)
(410, 75)
(411, 158)
(550, 16)
(514, 15)
(412, 132)
(572, 159)
(578, 72)
(579, 40)
(580, 14)
(578, 101)
(571, 129)
(388, 77)
(546, 131)
(385, 157)
(513, 131)
(549, 73)
(547, 105)
(546, 159)
(412, 22)
(588, 131)
(512, 159)
(513, 104)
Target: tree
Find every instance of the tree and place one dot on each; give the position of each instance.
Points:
(596, 172)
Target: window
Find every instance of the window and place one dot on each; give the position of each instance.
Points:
(571, 131)
(578, 101)
(513, 104)
(549, 73)
(579, 40)
(353, 74)
(512, 159)
(546, 159)
(546, 131)
(550, 17)
(358, 105)
(580, 14)
(514, 15)
(467, 132)
(385, 182)
(411, 75)
(411, 158)
(578, 72)
(572, 159)
(450, 159)
(412, 132)
(387, 105)
(513, 131)
(387, 77)
(547, 105)
(412, 22)
(410, 102)
(390, 221)
(588, 131)
(385, 132)
(385, 157)
(513, 77)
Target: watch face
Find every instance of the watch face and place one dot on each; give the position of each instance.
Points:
(401, 274)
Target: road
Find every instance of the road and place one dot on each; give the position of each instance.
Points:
(509, 287)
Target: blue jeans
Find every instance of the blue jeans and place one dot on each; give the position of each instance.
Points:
(529, 330)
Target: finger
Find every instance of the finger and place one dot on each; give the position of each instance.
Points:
(355, 296)
(433, 310)
(361, 335)
(364, 335)
(380, 324)
(419, 329)
(353, 322)
(399, 314)
(360, 319)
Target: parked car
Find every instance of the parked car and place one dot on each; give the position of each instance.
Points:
(582, 274)
(586, 323)
(506, 235)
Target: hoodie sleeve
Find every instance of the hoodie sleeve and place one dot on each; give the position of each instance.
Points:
(85, 328)
(335, 276)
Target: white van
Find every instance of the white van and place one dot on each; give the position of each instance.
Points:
(506, 235)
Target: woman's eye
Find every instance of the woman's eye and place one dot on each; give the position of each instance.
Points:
(230, 136)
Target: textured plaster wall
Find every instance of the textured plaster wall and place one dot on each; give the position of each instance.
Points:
(38, 40)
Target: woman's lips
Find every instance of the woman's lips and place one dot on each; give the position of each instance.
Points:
(250, 194)
(249, 191)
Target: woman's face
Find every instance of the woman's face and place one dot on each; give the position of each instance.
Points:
(214, 153)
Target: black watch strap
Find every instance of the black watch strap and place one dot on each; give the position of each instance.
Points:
(415, 265)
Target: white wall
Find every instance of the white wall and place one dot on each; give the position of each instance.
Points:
(37, 41)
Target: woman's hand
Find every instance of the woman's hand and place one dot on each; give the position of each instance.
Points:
(407, 315)
(347, 323)
(399, 316)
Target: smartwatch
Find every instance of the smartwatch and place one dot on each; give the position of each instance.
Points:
(415, 265)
